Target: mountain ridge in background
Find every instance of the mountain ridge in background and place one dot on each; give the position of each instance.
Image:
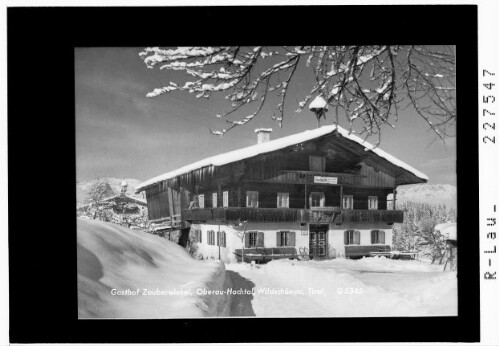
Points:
(432, 194)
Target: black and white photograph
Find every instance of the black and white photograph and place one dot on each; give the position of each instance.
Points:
(196, 173)
(281, 181)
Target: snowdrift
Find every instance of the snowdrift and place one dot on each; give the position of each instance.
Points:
(128, 274)
(346, 288)
(448, 230)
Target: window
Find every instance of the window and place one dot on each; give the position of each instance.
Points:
(221, 240)
(198, 235)
(226, 199)
(252, 199)
(214, 199)
(316, 199)
(372, 202)
(282, 200)
(285, 238)
(201, 201)
(317, 163)
(254, 239)
(348, 202)
(352, 237)
(377, 237)
(211, 237)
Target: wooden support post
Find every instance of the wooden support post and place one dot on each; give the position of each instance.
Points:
(341, 198)
(170, 204)
(218, 236)
(239, 196)
(220, 196)
(305, 206)
(394, 199)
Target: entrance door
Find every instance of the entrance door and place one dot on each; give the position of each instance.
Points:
(318, 241)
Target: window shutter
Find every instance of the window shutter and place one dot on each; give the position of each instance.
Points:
(345, 237)
(292, 238)
(373, 241)
(246, 240)
(278, 238)
(259, 239)
(200, 236)
(218, 238)
(382, 237)
(356, 237)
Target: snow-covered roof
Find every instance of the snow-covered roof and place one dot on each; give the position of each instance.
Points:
(318, 102)
(263, 130)
(448, 230)
(131, 198)
(277, 144)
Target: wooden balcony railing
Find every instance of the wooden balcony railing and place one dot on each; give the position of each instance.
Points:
(248, 214)
(321, 215)
(389, 216)
(167, 222)
(308, 177)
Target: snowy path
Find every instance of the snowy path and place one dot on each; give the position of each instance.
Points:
(240, 305)
(367, 287)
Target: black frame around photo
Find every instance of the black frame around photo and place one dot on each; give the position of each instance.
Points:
(41, 161)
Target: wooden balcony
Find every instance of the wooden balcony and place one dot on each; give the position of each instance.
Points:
(174, 222)
(388, 216)
(322, 178)
(246, 214)
(320, 215)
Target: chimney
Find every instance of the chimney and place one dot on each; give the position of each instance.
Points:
(263, 135)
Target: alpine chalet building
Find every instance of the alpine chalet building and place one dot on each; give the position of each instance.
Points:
(317, 194)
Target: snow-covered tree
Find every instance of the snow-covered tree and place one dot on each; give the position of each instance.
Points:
(418, 233)
(95, 208)
(365, 85)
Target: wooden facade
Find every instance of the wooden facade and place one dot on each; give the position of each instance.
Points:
(329, 179)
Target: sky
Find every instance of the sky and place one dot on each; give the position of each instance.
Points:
(120, 133)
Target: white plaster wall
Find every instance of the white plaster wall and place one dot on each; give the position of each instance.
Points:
(206, 251)
(233, 241)
(388, 237)
(337, 241)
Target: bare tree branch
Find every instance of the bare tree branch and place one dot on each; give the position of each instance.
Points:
(365, 85)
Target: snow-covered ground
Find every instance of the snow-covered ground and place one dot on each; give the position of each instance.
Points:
(129, 274)
(342, 287)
